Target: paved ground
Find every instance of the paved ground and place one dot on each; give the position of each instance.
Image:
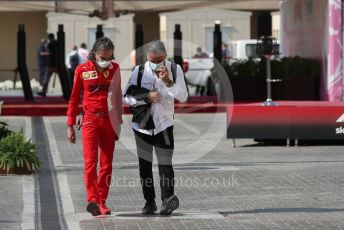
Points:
(11, 188)
(220, 187)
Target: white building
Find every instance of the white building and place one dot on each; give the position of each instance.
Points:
(80, 28)
(197, 27)
(40, 17)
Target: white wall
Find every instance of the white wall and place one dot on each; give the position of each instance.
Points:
(77, 28)
(35, 28)
(276, 21)
(194, 24)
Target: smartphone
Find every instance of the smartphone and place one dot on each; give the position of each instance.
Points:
(160, 69)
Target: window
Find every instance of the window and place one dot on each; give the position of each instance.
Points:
(251, 51)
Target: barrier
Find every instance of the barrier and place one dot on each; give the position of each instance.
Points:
(307, 120)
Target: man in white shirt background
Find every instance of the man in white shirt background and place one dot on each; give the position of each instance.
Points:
(157, 77)
(72, 60)
(83, 53)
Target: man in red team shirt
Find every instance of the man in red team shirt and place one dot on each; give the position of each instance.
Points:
(99, 81)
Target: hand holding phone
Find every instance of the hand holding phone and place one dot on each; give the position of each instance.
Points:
(163, 74)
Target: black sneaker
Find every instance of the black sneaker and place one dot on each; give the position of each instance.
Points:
(41, 94)
(93, 208)
(169, 205)
(149, 208)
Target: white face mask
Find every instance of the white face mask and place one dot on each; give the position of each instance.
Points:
(103, 64)
(155, 66)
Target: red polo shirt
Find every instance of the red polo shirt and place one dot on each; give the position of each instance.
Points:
(99, 89)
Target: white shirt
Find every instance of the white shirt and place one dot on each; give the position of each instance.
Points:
(83, 53)
(163, 111)
(68, 58)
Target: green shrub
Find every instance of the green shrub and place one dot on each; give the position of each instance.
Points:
(16, 152)
(243, 68)
(300, 67)
(286, 68)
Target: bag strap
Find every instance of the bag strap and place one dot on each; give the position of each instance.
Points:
(139, 76)
(174, 71)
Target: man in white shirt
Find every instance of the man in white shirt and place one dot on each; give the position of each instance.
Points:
(83, 53)
(157, 77)
(72, 60)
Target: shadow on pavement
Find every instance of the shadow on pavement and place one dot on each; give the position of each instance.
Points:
(145, 216)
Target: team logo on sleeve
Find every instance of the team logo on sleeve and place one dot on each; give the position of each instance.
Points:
(89, 75)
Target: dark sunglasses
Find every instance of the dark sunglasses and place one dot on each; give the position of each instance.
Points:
(106, 59)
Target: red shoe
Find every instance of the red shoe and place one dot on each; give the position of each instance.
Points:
(93, 208)
(103, 209)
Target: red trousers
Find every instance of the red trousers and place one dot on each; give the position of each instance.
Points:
(97, 133)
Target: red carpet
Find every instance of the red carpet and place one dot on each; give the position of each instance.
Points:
(313, 120)
(298, 111)
(57, 106)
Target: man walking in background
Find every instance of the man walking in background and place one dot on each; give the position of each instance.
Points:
(51, 63)
(72, 61)
(42, 60)
(83, 53)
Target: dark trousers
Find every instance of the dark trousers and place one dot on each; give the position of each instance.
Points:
(42, 72)
(50, 72)
(70, 77)
(163, 144)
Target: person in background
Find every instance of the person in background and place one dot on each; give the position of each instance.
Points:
(42, 59)
(83, 53)
(225, 53)
(72, 62)
(51, 54)
(200, 53)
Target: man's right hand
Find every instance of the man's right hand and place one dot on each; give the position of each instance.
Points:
(71, 134)
(153, 97)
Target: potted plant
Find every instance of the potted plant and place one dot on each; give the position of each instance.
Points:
(17, 155)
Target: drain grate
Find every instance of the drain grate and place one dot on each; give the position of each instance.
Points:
(47, 192)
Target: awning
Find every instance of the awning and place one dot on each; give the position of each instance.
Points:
(86, 7)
